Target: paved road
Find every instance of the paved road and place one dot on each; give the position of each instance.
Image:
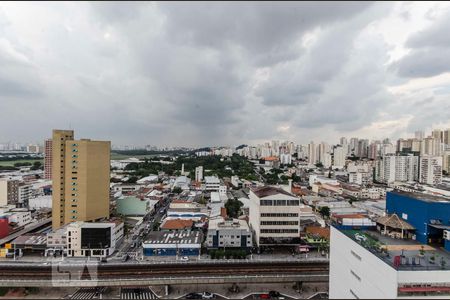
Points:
(137, 293)
(87, 293)
(136, 252)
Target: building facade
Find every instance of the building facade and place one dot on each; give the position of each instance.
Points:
(80, 179)
(48, 154)
(93, 239)
(274, 215)
(358, 273)
(9, 192)
(430, 170)
(232, 233)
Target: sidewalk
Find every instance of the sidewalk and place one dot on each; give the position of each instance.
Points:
(176, 292)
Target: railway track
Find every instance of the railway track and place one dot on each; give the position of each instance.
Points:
(174, 270)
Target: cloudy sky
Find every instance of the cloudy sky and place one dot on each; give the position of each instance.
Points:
(198, 74)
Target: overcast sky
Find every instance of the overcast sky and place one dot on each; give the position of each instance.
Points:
(199, 74)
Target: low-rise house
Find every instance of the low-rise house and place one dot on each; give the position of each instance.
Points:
(175, 225)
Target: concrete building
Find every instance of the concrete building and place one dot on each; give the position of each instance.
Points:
(199, 173)
(184, 243)
(40, 202)
(80, 179)
(48, 152)
(274, 215)
(312, 155)
(401, 168)
(9, 191)
(212, 184)
(339, 155)
(19, 218)
(285, 158)
(134, 206)
(429, 214)
(360, 269)
(229, 233)
(430, 170)
(431, 146)
(25, 194)
(93, 239)
(446, 161)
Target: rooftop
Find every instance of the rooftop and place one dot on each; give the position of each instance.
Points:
(183, 237)
(265, 191)
(407, 251)
(221, 223)
(422, 196)
(31, 239)
(175, 224)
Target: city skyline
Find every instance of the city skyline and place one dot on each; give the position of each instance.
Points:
(179, 83)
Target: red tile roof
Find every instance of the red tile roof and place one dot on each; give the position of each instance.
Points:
(177, 224)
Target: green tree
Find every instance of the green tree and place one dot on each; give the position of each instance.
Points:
(233, 207)
(177, 190)
(37, 165)
(132, 179)
(324, 211)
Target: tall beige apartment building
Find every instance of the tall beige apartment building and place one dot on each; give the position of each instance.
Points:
(80, 175)
(48, 159)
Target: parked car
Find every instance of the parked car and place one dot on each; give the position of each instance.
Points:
(125, 257)
(193, 296)
(184, 258)
(207, 295)
(274, 294)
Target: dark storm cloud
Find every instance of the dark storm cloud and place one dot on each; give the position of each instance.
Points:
(268, 30)
(430, 51)
(199, 73)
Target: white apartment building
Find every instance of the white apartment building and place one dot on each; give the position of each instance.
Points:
(25, 193)
(21, 218)
(446, 161)
(357, 273)
(359, 173)
(430, 170)
(285, 158)
(312, 155)
(398, 168)
(325, 159)
(212, 183)
(231, 233)
(360, 178)
(40, 202)
(431, 146)
(274, 215)
(93, 239)
(339, 155)
(199, 173)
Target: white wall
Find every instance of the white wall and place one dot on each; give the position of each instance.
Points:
(378, 280)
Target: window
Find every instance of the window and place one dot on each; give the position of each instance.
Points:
(356, 276)
(355, 255)
(354, 295)
(279, 222)
(279, 231)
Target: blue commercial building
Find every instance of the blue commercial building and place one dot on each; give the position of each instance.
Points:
(429, 214)
(182, 243)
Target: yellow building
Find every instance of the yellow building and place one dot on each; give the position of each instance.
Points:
(80, 171)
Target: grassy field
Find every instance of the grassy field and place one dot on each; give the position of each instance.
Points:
(117, 156)
(12, 162)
